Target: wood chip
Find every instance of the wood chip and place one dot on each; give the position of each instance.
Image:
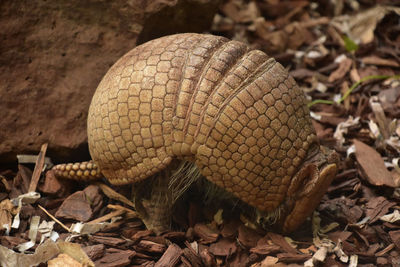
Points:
(94, 252)
(75, 207)
(110, 241)
(224, 247)
(170, 257)
(291, 257)
(377, 207)
(373, 166)
(206, 234)
(38, 168)
(116, 258)
(150, 247)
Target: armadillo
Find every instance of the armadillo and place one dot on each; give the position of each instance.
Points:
(231, 111)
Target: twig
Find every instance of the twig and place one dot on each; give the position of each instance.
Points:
(107, 217)
(54, 219)
(351, 89)
(38, 168)
(4, 181)
(119, 207)
(111, 193)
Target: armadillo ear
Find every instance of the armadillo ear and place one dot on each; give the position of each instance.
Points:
(297, 182)
(310, 196)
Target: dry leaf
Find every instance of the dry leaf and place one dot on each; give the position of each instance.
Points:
(240, 11)
(353, 261)
(75, 251)
(360, 28)
(44, 252)
(391, 217)
(7, 210)
(63, 260)
(343, 127)
(269, 261)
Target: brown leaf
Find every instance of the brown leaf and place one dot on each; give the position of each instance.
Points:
(342, 235)
(240, 12)
(280, 241)
(297, 34)
(248, 237)
(230, 228)
(373, 166)
(275, 9)
(265, 247)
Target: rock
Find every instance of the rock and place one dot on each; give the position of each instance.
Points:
(54, 53)
(174, 16)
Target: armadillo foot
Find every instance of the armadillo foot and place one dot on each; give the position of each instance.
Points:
(155, 197)
(153, 202)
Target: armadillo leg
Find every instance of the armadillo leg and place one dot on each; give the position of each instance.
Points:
(153, 202)
(155, 197)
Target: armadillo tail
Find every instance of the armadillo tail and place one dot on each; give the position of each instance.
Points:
(84, 171)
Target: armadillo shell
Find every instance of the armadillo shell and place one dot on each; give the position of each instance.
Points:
(233, 111)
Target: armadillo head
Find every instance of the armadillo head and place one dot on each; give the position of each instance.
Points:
(305, 191)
